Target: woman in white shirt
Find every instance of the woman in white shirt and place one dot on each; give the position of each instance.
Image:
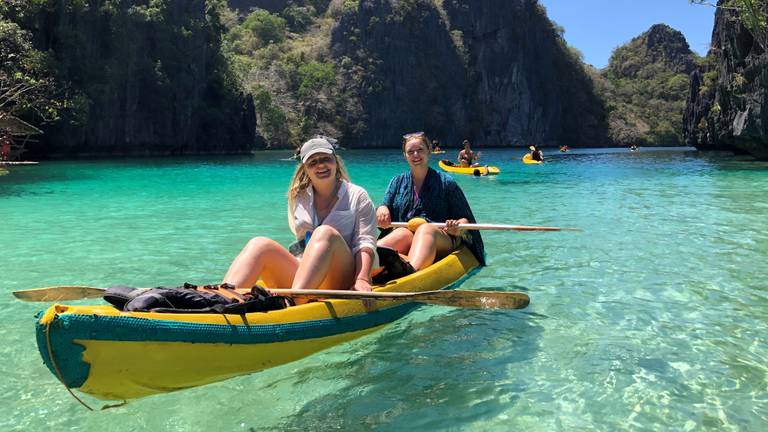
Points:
(334, 222)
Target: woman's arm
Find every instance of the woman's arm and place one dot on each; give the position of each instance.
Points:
(458, 207)
(364, 241)
(363, 264)
(384, 211)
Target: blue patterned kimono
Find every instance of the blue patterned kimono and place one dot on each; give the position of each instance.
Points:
(440, 199)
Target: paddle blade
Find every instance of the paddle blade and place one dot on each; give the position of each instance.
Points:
(475, 299)
(59, 293)
(452, 298)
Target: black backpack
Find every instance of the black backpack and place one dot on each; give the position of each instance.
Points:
(186, 299)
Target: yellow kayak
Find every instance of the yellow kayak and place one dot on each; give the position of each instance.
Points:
(116, 355)
(438, 151)
(528, 160)
(449, 166)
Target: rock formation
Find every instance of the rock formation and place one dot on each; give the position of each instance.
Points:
(728, 101)
(495, 72)
(149, 80)
(645, 85)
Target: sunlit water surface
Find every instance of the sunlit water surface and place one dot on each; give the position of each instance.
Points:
(654, 318)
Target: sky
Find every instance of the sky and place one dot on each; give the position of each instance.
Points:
(596, 27)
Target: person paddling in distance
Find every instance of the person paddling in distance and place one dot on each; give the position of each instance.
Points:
(425, 193)
(468, 158)
(334, 222)
(536, 154)
(436, 147)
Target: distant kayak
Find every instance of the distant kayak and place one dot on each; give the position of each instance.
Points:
(527, 159)
(438, 151)
(451, 167)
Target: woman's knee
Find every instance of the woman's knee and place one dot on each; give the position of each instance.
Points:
(259, 242)
(325, 232)
(258, 245)
(399, 239)
(398, 235)
(426, 230)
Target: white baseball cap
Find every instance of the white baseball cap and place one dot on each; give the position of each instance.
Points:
(315, 145)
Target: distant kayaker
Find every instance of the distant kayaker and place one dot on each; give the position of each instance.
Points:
(536, 154)
(335, 226)
(426, 193)
(436, 146)
(633, 147)
(467, 157)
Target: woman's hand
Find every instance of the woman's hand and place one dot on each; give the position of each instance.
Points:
(383, 218)
(364, 285)
(452, 227)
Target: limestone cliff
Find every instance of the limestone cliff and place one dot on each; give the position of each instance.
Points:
(495, 72)
(728, 100)
(149, 79)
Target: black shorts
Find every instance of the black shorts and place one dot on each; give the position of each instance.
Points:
(456, 241)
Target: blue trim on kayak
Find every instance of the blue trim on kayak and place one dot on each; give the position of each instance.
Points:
(69, 355)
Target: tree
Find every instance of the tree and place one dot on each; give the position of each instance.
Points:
(752, 14)
(27, 83)
(266, 27)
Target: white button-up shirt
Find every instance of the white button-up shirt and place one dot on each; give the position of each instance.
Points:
(353, 216)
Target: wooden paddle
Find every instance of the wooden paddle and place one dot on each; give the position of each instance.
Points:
(416, 222)
(454, 298)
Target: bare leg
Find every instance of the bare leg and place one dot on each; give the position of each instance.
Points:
(400, 240)
(266, 258)
(429, 244)
(327, 263)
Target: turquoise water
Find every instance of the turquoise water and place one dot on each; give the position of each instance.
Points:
(651, 319)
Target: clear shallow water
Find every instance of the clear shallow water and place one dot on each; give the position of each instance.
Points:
(654, 318)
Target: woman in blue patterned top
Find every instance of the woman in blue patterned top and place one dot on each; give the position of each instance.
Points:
(426, 193)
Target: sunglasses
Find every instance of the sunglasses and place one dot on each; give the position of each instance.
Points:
(413, 135)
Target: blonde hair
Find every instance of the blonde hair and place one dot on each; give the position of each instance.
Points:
(300, 182)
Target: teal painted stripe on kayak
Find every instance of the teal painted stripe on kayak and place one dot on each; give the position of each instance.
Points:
(69, 327)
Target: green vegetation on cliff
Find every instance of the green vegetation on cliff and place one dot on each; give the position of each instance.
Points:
(645, 86)
(147, 77)
(728, 98)
(751, 13)
(283, 60)
(28, 86)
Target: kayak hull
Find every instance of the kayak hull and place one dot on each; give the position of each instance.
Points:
(473, 171)
(527, 159)
(115, 355)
